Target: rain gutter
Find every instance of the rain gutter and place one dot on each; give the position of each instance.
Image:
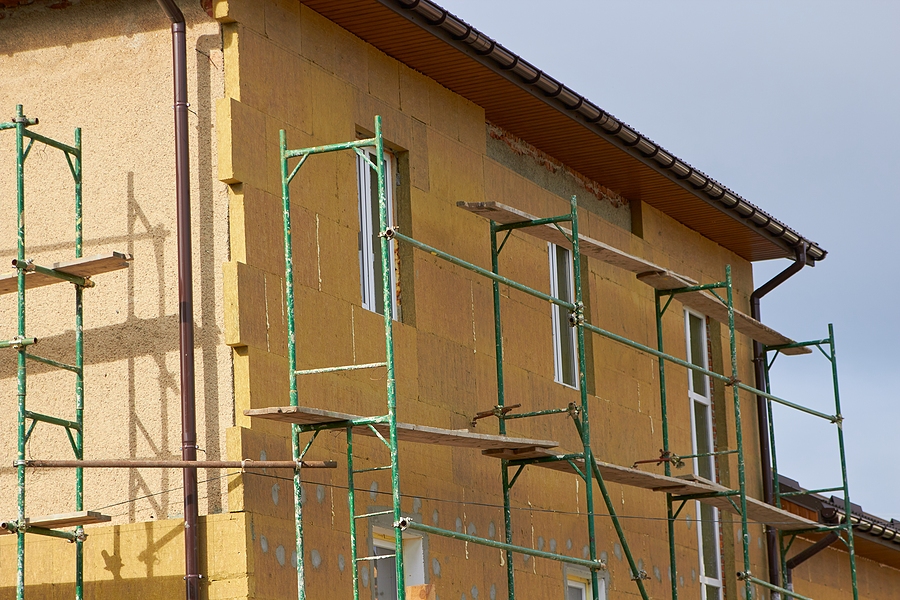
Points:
(762, 408)
(465, 38)
(192, 575)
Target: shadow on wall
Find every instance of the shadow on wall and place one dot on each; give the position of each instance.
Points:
(152, 422)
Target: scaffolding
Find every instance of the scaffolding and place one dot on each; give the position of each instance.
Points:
(515, 454)
(714, 300)
(30, 275)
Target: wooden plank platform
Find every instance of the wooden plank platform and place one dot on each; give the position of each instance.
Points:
(682, 485)
(82, 267)
(406, 432)
(651, 274)
(66, 520)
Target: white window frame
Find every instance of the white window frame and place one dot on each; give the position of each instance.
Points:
(413, 555)
(704, 398)
(369, 280)
(580, 579)
(560, 319)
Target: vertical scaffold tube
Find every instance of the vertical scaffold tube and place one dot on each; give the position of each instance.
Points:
(745, 533)
(664, 413)
(351, 505)
(79, 375)
(840, 433)
(386, 276)
(292, 360)
(20, 371)
(582, 386)
(501, 401)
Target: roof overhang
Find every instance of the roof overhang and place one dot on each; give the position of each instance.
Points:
(524, 100)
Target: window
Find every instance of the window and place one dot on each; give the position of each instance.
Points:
(702, 433)
(385, 569)
(370, 266)
(561, 286)
(578, 584)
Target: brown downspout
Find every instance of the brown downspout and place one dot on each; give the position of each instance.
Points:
(762, 411)
(185, 299)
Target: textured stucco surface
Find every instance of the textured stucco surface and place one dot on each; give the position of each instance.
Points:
(106, 66)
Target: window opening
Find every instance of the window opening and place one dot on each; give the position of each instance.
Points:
(562, 287)
(384, 570)
(369, 224)
(702, 438)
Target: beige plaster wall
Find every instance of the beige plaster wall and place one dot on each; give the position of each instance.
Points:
(106, 66)
(287, 67)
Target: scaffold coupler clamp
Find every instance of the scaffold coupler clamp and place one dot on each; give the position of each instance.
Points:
(80, 536)
(732, 381)
(388, 233)
(26, 265)
(576, 317)
(573, 409)
(742, 575)
(641, 575)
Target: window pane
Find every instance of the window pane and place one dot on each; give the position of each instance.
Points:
(385, 574)
(565, 332)
(710, 543)
(378, 300)
(713, 593)
(698, 343)
(563, 270)
(575, 592)
(703, 431)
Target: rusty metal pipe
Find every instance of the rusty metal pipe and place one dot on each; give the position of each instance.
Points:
(192, 575)
(181, 464)
(762, 410)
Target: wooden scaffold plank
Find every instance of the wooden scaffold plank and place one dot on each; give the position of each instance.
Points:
(81, 267)
(406, 432)
(680, 486)
(651, 274)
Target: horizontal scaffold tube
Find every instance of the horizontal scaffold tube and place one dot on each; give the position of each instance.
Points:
(407, 523)
(330, 148)
(393, 234)
(767, 585)
(179, 464)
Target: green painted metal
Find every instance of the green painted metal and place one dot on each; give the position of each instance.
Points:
(23, 265)
(593, 565)
(501, 402)
(287, 175)
(580, 416)
(74, 428)
(846, 526)
(671, 515)
(292, 360)
(750, 580)
(16, 342)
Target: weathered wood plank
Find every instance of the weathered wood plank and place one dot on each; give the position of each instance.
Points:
(651, 274)
(81, 267)
(405, 432)
(65, 520)
(683, 485)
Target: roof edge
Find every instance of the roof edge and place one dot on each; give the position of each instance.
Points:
(465, 38)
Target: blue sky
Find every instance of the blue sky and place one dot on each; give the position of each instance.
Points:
(794, 105)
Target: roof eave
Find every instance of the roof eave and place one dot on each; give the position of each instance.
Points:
(513, 68)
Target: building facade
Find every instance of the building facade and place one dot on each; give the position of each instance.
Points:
(461, 124)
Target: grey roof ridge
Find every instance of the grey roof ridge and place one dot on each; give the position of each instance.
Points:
(488, 52)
